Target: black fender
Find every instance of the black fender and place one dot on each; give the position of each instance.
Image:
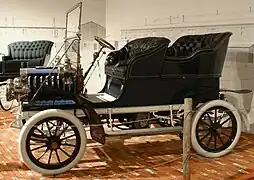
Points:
(96, 127)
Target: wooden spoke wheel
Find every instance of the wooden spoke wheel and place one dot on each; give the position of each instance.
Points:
(52, 142)
(216, 128)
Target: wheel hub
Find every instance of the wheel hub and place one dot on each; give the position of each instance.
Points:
(216, 126)
(54, 145)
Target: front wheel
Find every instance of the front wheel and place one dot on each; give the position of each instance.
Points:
(216, 129)
(52, 142)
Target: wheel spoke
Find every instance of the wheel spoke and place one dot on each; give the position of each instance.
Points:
(65, 152)
(42, 154)
(225, 134)
(221, 116)
(225, 121)
(67, 137)
(207, 144)
(39, 147)
(215, 115)
(206, 129)
(67, 144)
(205, 136)
(31, 144)
(209, 117)
(220, 139)
(58, 158)
(48, 128)
(58, 125)
(42, 125)
(64, 129)
(50, 154)
(215, 139)
(40, 140)
(205, 123)
(52, 123)
(42, 133)
(226, 129)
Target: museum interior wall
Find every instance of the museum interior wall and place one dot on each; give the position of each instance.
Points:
(36, 20)
(32, 20)
(173, 19)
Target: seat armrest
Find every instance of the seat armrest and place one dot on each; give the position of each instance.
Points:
(46, 60)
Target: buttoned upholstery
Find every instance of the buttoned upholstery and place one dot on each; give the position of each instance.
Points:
(146, 52)
(198, 55)
(26, 54)
(190, 44)
(34, 52)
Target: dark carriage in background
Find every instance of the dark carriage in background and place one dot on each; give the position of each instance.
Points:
(23, 54)
(146, 83)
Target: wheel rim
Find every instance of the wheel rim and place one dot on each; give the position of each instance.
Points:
(216, 129)
(48, 138)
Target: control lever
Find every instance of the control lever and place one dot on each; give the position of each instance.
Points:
(95, 56)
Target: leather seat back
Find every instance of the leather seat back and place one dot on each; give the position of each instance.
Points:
(190, 44)
(33, 51)
(137, 47)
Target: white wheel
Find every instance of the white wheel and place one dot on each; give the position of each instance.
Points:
(52, 142)
(216, 129)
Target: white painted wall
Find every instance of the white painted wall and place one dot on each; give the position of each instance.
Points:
(42, 13)
(121, 14)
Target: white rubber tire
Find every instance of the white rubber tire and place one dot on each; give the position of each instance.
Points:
(35, 119)
(198, 115)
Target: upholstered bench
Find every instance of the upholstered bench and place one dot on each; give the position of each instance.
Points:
(24, 54)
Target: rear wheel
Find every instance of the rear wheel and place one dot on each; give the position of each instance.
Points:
(52, 142)
(216, 128)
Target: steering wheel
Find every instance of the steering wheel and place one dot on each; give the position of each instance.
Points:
(104, 43)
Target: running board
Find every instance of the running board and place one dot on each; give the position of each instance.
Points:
(144, 132)
(239, 91)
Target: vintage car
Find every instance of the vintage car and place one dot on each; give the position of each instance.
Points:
(147, 82)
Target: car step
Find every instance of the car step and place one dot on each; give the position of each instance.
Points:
(144, 132)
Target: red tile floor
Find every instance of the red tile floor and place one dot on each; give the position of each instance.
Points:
(155, 157)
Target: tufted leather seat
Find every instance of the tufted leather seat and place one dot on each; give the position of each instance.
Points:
(26, 54)
(200, 55)
(191, 44)
(142, 49)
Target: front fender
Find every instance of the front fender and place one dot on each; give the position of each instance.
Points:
(96, 128)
